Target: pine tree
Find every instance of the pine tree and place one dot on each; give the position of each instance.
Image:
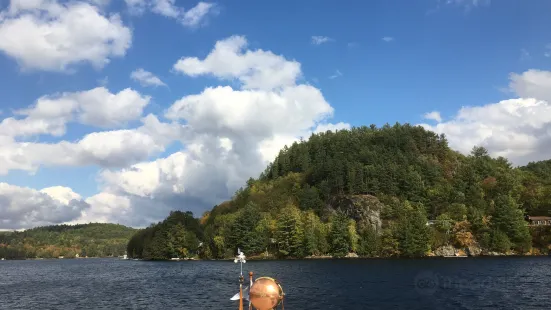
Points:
(413, 232)
(339, 235)
(289, 232)
(312, 227)
(242, 235)
(369, 243)
(509, 219)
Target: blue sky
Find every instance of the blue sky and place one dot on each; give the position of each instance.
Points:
(378, 62)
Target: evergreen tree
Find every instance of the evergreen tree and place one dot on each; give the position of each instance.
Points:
(242, 232)
(369, 243)
(413, 233)
(289, 233)
(339, 236)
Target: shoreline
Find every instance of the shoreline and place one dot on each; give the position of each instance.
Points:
(350, 256)
(292, 259)
(355, 258)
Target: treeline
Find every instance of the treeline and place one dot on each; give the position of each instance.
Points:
(177, 236)
(92, 240)
(373, 192)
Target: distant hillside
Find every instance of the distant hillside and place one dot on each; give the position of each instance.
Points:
(391, 191)
(92, 240)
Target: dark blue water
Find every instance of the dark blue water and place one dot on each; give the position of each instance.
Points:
(460, 283)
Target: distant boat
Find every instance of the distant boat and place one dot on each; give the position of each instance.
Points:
(3, 258)
(125, 256)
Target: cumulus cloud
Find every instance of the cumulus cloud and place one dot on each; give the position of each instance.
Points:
(434, 115)
(331, 127)
(105, 208)
(256, 69)
(193, 17)
(253, 113)
(23, 207)
(97, 107)
(532, 84)
(519, 129)
(229, 134)
(197, 14)
(117, 148)
(318, 40)
(146, 78)
(50, 36)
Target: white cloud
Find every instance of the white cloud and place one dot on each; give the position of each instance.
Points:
(532, 84)
(193, 17)
(519, 129)
(336, 75)
(23, 207)
(318, 40)
(137, 7)
(118, 148)
(332, 127)
(97, 107)
(146, 78)
(61, 193)
(388, 39)
(434, 115)
(104, 81)
(104, 208)
(254, 69)
(252, 112)
(524, 54)
(230, 134)
(47, 35)
(469, 3)
(166, 8)
(197, 14)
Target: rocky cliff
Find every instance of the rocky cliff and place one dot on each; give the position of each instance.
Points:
(364, 209)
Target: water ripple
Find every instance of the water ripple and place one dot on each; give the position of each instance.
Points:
(502, 283)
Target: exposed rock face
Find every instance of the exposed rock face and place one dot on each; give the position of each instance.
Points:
(447, 250)
(474, 250)
(352, 255)
(365, 209)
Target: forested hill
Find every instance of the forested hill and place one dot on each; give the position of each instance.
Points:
(391, 191)
(92, 240)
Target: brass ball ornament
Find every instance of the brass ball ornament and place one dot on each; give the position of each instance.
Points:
(266, 293)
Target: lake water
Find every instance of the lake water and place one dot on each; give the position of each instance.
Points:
(454, 283)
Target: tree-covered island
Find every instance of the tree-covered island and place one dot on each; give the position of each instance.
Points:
(370, 192)
(68, 241)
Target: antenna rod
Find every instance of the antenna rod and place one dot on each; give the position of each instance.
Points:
(250, 286)
(241, 292)
(241, 259)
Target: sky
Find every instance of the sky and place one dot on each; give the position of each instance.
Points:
(123, 110)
